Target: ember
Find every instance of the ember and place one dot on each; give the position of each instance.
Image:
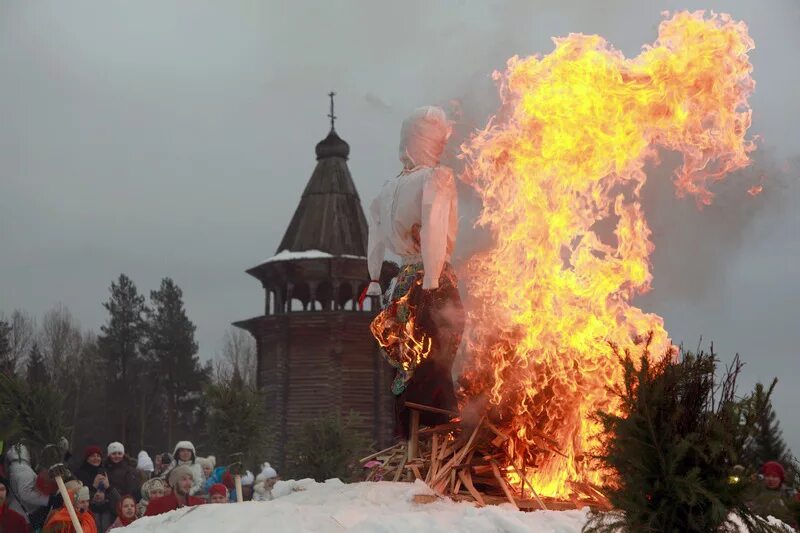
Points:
(565, 157)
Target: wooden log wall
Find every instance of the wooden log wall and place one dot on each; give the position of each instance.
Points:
(311, 363)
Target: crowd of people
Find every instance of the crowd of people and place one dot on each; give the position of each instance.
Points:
(111, 489)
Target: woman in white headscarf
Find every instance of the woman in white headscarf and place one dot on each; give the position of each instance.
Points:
(415, 216)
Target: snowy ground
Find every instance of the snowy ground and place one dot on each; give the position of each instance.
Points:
(361, 507)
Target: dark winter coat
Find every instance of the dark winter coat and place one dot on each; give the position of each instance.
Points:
(770, 502)
(123, 477)
(86, 474)
(169, 503)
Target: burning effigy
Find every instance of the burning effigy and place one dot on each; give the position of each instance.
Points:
(563, 160)
(415, 216)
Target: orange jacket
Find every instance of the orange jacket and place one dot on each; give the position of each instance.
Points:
(59, 522)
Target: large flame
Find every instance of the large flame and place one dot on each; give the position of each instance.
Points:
(560, 166)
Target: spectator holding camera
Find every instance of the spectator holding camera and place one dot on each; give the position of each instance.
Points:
(94, 476)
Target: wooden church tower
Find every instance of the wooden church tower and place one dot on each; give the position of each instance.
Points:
(316, 354)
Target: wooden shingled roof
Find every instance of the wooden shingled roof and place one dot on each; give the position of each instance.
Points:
(329, 217)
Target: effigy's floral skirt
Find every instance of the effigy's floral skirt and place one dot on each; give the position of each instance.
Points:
(419, 332)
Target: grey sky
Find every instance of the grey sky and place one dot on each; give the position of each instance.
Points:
(170, 138)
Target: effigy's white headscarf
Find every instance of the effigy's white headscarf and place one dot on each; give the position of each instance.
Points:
(423, 137)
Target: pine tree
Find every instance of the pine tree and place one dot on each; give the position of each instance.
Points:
(120, 346)
(36, 370)
(171, 348)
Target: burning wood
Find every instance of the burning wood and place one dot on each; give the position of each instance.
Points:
(469, 463)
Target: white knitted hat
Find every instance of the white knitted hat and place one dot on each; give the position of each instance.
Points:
(115, 447)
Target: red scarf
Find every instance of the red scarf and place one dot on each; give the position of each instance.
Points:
(126, 521)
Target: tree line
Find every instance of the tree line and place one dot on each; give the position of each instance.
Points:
(139, 380)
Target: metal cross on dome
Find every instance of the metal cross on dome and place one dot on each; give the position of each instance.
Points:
(331, 115)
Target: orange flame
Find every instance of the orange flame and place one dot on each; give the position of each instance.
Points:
(562, 164)
(404, 345)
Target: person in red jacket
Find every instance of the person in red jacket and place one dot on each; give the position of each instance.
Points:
(10, 520)
(181, 480)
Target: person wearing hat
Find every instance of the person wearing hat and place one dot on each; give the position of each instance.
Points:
(265, 481)
(121, 472)
(10, 520)
(773, 499)
(186, 455)
(207, 464)
(248, 480)
(92, 474)
(218, 493)
(24, 496)
(144, 464)
(181, 479)
(151, 489)
(60, 521)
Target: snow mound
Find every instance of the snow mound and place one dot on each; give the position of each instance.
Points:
(385, 507)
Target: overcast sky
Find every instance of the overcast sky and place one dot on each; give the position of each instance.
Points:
(170, 138)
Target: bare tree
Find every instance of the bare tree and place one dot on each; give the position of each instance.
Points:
(20, 338)
(60, 339)
(237, 358)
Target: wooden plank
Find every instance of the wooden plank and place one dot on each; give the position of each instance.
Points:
(434, 449)
(459, 456)
(376, 454)
(457, 485)
(400, 468)
(527, 482)
(420, 407)
(503, 484)
(441, 428)
(415, 469)
(466, 479)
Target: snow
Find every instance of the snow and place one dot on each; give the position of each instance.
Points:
(286, 255)
(383, 507)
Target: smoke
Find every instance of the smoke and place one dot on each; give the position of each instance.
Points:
(695, 246)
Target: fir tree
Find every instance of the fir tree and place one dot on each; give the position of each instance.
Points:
(236, 420)
(120, 346)
(36, 370)
(172, 350)
(673, 447)
(765, 439)
(328, 447)
(30, 414)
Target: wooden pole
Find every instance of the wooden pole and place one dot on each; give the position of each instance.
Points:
(413, 435)
(236, 468)
(62, 489)
(239, 496)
